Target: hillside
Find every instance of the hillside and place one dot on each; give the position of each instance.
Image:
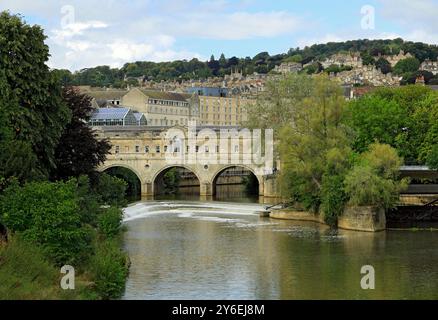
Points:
(370, 51)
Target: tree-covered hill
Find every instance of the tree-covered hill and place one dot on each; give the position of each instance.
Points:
(261, 63)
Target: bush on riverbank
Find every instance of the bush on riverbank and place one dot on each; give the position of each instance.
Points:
(110, 222)
(52, 220)
(109, 267)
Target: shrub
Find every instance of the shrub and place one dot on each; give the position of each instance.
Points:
(111, 190)
(110, 269)
(47, 214)
(110, 221)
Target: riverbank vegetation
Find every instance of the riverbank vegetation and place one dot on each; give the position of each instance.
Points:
(55, 209)
(336, 153)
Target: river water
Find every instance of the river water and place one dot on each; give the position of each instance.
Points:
(221, 250)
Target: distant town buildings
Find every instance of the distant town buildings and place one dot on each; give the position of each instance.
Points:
(219, 107)
(430, 66)
(352, 59)
(225, 101)
(288, 67)
(163, 108)
(396, 58)
(368, 76)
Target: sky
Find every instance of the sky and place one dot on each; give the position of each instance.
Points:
(88, 33)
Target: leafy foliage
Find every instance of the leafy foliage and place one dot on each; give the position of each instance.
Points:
(314, 131)
(47, 214)
(374, 180)
(79, 151)
(111, 190)
(404, 118)
(110, 222)
(110, 269)
(34, 109)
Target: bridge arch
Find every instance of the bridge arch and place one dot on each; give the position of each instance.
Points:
(219, 172)
(130, 176)
(121, 165)
(158, 182)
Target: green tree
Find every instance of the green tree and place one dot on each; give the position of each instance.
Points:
(315, 131)
(404, 118)
(276, 106)
(383, 65)
(35, 109)
(408, 65)
(110, 190)
(374, 181)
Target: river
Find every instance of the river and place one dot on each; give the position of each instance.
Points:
(223, 250)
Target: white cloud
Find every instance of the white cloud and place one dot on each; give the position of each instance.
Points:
(418, 18)
(114, 32)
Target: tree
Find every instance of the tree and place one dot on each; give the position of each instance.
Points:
(367, 59)
(383, 65)
(316, 130)
(374, 181)
(222, 61)
(404, 118)
(34, 107)
(276, 106)
(432, 159)
(408, 65)
(79, 151)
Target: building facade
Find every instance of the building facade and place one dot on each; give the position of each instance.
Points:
(218, 107)
(164, 109)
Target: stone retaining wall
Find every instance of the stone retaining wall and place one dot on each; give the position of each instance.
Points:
(367, 219)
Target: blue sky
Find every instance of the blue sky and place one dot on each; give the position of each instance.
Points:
(86, 33)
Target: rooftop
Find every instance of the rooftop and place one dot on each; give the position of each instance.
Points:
(170, 96)
(107, 94)
(110, 113)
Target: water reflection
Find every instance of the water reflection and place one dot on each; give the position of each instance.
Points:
(220, 250)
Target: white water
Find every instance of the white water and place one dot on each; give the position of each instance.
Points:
(208, 211)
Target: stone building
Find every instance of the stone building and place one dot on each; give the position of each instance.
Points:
(219, 107)
(394, 59)
(163, 108)
(104, 97)
(367, 75)
(430, 66)
(353, 60)
(289, 67)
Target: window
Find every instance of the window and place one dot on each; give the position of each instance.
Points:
(236, 148)
(146, 149)
(157, 149)
(207, 149)
(197, 149)
(165, 148)
(117, 149)
(137, 149)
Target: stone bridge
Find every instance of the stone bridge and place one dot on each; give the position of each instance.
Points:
(151, 152)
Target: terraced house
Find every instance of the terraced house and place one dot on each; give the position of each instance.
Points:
(218, 107)
(164, 109)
